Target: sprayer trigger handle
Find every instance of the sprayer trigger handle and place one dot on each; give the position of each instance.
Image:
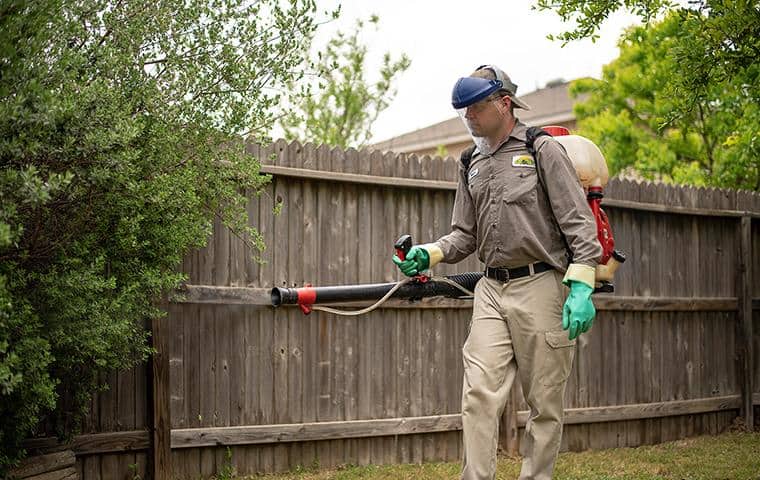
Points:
(402, 246)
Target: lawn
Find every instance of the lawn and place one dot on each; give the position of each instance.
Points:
(727, 456)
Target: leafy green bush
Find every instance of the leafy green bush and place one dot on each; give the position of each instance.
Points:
(121, 127)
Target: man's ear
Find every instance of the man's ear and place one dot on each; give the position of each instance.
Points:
(506, 101)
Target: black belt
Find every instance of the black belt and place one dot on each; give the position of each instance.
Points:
(506, 274)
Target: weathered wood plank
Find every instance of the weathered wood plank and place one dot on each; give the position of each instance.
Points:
(249, 435)
(336, 252)
(266, 382)
(267, 434)
(665, 304)
(160, 424)
(252, 382)
(308, 262)
(39, 464)
(295, 276)
(674, 209)
(377, 326)
(176, 366)
(352, 333)
(422, 183)
(357, 178)
(363, 263)
(208, 294)
(189, 466)
(91, 467)
(68, 473)
(280, 262)
(95, 443)
(207, 385)
(223, 318)
(644, 410)
(745, 334)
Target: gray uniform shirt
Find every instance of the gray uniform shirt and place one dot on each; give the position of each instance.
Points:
(502, 210)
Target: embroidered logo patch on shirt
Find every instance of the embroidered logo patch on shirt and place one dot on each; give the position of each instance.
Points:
(523, 161)
(473, 173)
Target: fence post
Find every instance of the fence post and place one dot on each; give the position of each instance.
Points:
(160, 415)
(744, 330)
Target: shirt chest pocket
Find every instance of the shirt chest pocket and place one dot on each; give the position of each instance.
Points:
(477, 180)
(520, 187)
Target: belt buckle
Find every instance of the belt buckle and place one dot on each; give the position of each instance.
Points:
(497, 273)
(501, 274)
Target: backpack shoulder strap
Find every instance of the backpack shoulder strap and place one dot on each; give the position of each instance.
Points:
(530, 138)
(466, 157)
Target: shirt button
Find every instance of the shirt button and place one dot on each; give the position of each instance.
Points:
(493, 201)
(492, 176)
(493, 225)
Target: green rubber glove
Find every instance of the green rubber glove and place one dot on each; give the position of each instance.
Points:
(578, 312)
(417, 260)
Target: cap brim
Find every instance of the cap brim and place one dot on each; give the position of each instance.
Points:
(519, 103)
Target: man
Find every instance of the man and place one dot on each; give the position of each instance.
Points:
(529, 222)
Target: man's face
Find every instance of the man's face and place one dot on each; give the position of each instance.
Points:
(487, 116)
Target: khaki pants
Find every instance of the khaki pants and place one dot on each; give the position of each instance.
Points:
(516, 329)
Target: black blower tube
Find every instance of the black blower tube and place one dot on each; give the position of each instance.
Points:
(376, 291)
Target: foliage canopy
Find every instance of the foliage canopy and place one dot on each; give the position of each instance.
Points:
(680, 103)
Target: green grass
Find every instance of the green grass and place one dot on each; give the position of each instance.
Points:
(727, 456)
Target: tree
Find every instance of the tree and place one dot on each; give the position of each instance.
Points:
(340, 107)
(723, 42)
(121, 129)
(588, 15)
(644, 118)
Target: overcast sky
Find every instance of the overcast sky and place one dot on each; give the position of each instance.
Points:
(447, 40)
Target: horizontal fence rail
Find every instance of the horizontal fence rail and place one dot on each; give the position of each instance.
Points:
(302, 173)
(210, 294)
(302, 432)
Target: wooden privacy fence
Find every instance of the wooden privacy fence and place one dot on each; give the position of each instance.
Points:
(670, 354)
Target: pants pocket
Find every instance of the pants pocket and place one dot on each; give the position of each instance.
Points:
(557, 358)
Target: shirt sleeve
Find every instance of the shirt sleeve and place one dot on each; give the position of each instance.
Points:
(461, 242)
(568, 202)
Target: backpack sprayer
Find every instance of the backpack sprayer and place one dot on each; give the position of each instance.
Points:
(592, 172)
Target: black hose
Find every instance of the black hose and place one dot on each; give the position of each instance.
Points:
(349, 293)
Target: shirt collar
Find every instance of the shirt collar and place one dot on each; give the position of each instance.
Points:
(518, 132)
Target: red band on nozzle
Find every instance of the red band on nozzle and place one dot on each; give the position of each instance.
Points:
(307, 296)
